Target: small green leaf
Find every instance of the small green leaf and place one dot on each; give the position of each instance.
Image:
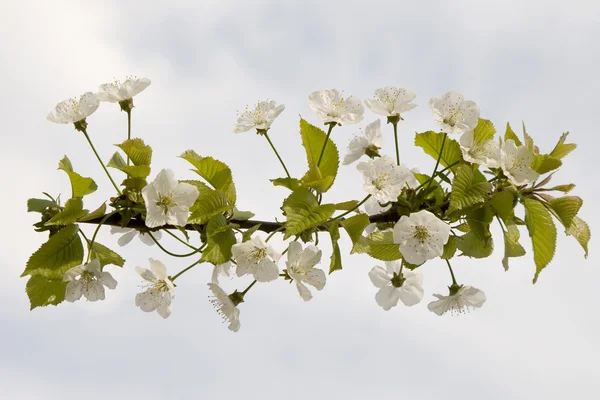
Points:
(450, 247)
(215, 172)
(335, 263)
(563, 188)
(543, 163)
(39, 205)
(134, 184)
(106, 256)
(473, 245)
(97, 213)
(346, 205)
(484, 131)
(512, 247)
(528, 139)
(510, 135)
(431, 143)
(379, 245)
(133, 171)
(313, 139)
(80, 186)
(479, 221)
(220, 240)
(247, 235)
(303, 211)
(468, 188)
(242, 215)
(566, 208)
(562, 149)
(542, 232)
(503, 204)
(290, 183)
(210, 204)
(581, 231)
(43, 291)
(72, 212)
(314, 180)
(59, 254)
(355, 226)
(139, 153)
(116, 161)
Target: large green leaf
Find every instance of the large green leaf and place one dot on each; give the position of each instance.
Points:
(220, 240)
(450, 247)
(43, 291)
(512, 247)
(215, 172)
(303, 211)
(511, 135)
(313, 140)
(503, 204)
(581, 231)
(484, 131)
(106, 256)
(355, 226)
(72, 212)
(543, 234)
(80, 186)
(473, 245)
(544, 163)
(211, 203)
(562, 149)
(59, 254)
(379, 245)
(139, 153)
(468, 188)
(431, 143)
(566, 208)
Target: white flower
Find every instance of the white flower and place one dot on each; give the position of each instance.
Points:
(391, 101)
(260, 118)
(406, 286)
(464, 298)
(421, 236)
(71, 110)
(160, 292)
(516, 163)
(222, 270)
(117, 91)
(454, 114)
(483, 153)
(87, 280)
(384, 179)
(225, 307)
(331, 106)
(129, 233)
(257, 258)
(167, 200)
(301, 268)
(368, 144)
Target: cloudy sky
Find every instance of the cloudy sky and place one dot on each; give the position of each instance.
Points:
(519, 60)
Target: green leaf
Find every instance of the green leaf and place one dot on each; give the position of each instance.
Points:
(43, 291)
(355, 226)
(484, 131)
(450, 247)
(468, 188)
(72, 212)
(431, 143)
(290, 183)
(203, 188)
(59, 254)
(510, 134)
(479, 221)
(562, 149)
(247, 235)
(97, 213)
(242, 215)
(133, 171)
(379, 245)
(215, 172)
(473, 245)
(543, 163)
(503, 204)
(80, 186)
(528, 139)
(211, 203)
(134, 184)
(512, 247)
(139, 153)
(566, 208)
(39, 205)
(335, 263)
(581, 231)
(303, 211)
(347, 205)
(220, 240)
(542, 232)
(106, 256)
(313, 139)
(116, 161)
(563, 188)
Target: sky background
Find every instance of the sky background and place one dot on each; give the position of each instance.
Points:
(535, 61)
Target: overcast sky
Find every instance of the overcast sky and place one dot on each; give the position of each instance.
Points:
(535, 61)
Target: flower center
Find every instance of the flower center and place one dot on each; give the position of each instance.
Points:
(298, 270)
(161, 286)
(421, 233)
(372, 151)
(258, 254)
(381, 180)
(165, 201)
(397, 280)
(450, 121)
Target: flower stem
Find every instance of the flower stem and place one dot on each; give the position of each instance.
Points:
(437, 163)
(199, 249)
(395, 124)
(331, 125)
(185, 270)
(352, 209)
(451, 273)
(437, 173)
(128, 129)
(249, 287)
(179, 239)
(282, 227)
(277, 154)
(100, 160)
(91, 242)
